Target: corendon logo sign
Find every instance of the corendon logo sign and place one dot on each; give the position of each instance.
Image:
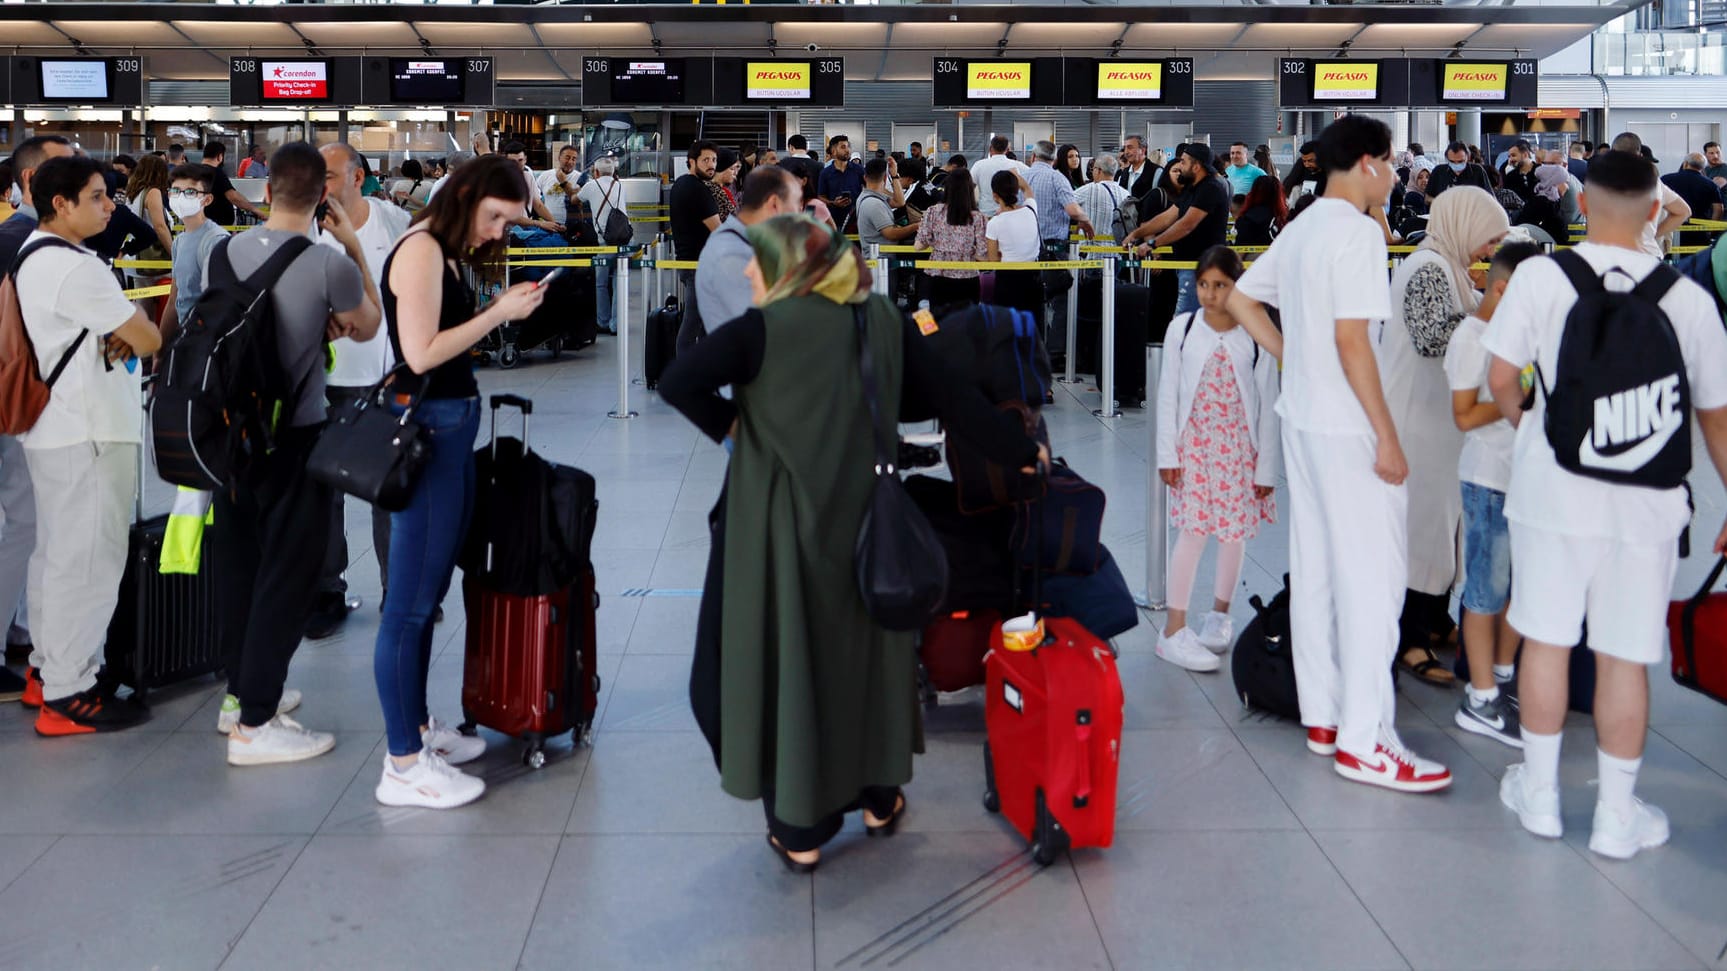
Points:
(999, 82)
(1129, 82)
(1345, 82)
(1475, 82)
(773, 81)
(295, 80)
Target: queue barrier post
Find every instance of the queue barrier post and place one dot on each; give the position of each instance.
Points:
(1157, 496)
(1072, 353)
(621, 320)
(879, 278)
(1106, 343)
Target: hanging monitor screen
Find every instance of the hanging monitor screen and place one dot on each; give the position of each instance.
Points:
(998, 81)
(648, 82)
(82, 80)
(297, 81)
(1130, 82)
(1473, 82)
(777, 80)
(427, 82)
(1345, 81)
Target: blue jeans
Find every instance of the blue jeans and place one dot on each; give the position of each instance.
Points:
(424, 540)
(1187, 291)
(603, 277)
(1486, 550)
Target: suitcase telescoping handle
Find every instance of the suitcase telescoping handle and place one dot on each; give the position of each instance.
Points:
(521, 404)
(1688, 618)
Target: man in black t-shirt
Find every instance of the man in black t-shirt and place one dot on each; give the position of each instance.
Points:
(1457, 170)
(224, 197)
(1198, 221)
(695, 216)
(1699, 192)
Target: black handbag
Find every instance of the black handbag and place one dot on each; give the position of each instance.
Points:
(901, 567)
(371, 454)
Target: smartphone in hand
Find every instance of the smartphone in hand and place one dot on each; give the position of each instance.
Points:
(546, 280)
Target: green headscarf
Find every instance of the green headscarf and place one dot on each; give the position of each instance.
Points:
(799, 256)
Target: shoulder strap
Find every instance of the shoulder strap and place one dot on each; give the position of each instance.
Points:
(267, 275)
(32, 248)
(1577, 269)
(77, 342)
(606, 195)
(1187, 329)
(1655, 286)
(884, 459)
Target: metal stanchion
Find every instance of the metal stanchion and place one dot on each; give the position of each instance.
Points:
(879, 278)
(658, 253)
(621, 320)
(1106, 343)
(1072, 320)
(1157, 497)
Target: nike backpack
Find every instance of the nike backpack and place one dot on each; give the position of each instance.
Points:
(1619, 406)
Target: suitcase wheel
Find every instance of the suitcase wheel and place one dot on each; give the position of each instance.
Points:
(556, 346)
(467, 727)
(534, 756)
(991, 798)
(509, 357)
(1048, 840)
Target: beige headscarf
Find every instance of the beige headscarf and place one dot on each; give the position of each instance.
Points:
(1463, 219)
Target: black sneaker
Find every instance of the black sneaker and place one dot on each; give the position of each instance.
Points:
(328, 615)
(19, 653)
(1496, 719)
(86, 713)
(11, 685)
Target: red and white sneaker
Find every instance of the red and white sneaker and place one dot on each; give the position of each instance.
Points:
(1393, 767)
(1322, 741)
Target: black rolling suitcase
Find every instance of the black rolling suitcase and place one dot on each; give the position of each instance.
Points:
(661, 344)
(164, 627)
(1132, 333)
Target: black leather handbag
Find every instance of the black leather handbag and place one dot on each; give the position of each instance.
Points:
(371, 454)
(901, 567)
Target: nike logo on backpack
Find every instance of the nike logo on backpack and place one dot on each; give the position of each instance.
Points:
(1652, 412)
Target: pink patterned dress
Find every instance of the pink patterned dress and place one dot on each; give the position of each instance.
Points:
(1217, 459)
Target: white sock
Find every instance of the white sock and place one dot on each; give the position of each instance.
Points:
(1482, 697)
(1541, 759)
(1504, 673)
(1618, 778)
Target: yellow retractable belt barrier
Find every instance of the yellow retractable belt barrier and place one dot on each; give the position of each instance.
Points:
(143, 265)
(564, 250)
(1050, 265)
(145, 293)
(526, 264)
(692, 264)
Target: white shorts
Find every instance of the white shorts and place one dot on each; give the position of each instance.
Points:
(1621, 589)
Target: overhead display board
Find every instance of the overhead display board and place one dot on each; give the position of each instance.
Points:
(289, 82)
(96, 81)
(807, 82)
(445, 81)
(1342, 83)
(647, 82)
(1485, 83)
(960, 82)
(1164, 83)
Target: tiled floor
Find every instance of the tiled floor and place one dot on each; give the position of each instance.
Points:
(1235, 848)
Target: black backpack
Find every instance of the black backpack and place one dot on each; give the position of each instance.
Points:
(1619, 409)
(1263, 664)
(222, 388)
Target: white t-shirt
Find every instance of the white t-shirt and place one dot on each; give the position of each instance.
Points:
(362, 363)
(602, 189)
(1649, 243)
(555, 196)
(1527, 327)
(1327, 266)
(61, 292)
(985, 169)
(1486, 457)
(1016, 233)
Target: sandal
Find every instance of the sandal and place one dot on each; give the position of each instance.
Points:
(1429, 669)
(887, 827)
(785, 855)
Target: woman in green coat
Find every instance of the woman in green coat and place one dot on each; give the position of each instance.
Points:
(818, 709)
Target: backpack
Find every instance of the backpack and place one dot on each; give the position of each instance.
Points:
(617, 231)
(1188, 329)
(1619, 409)
(1131, 211)
(1263, 665)
(221, 387)
(23, 391)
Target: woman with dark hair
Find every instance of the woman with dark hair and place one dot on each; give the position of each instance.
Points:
(1067, 162)
(1012, 237)
(953, 230)
(725, 174)
(1262, 158)
(411, 190)
(147, 197)
(1263, 215)
(814, 710)
(429, 311)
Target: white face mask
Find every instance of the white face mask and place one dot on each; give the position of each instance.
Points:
(15, 197)
(185, 208)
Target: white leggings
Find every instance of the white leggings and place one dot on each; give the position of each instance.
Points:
(1184, 567)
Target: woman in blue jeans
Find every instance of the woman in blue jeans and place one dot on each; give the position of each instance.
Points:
(429, 310)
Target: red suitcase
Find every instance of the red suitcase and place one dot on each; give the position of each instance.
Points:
(530, 667)
(1054, 717)
(1698, 629)
(953, 645)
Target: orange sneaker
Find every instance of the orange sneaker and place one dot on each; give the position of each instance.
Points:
(87, 713)
(32, 689)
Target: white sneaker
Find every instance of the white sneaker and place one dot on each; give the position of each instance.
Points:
(430, 783)
(1184, 650)
(1391, 766)
(1619, 837)
(450, 745)
(1216, 632)
(1537, 810)
(229, 716)
(281, 739)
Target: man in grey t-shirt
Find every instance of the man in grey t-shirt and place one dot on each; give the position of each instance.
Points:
(267, 539)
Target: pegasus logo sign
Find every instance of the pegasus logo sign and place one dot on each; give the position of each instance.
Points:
(1644, 418)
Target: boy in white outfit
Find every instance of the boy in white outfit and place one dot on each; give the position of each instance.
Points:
(1587, 548)
(1348, 523)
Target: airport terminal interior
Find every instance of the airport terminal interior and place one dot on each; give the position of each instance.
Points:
(1234, 846)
